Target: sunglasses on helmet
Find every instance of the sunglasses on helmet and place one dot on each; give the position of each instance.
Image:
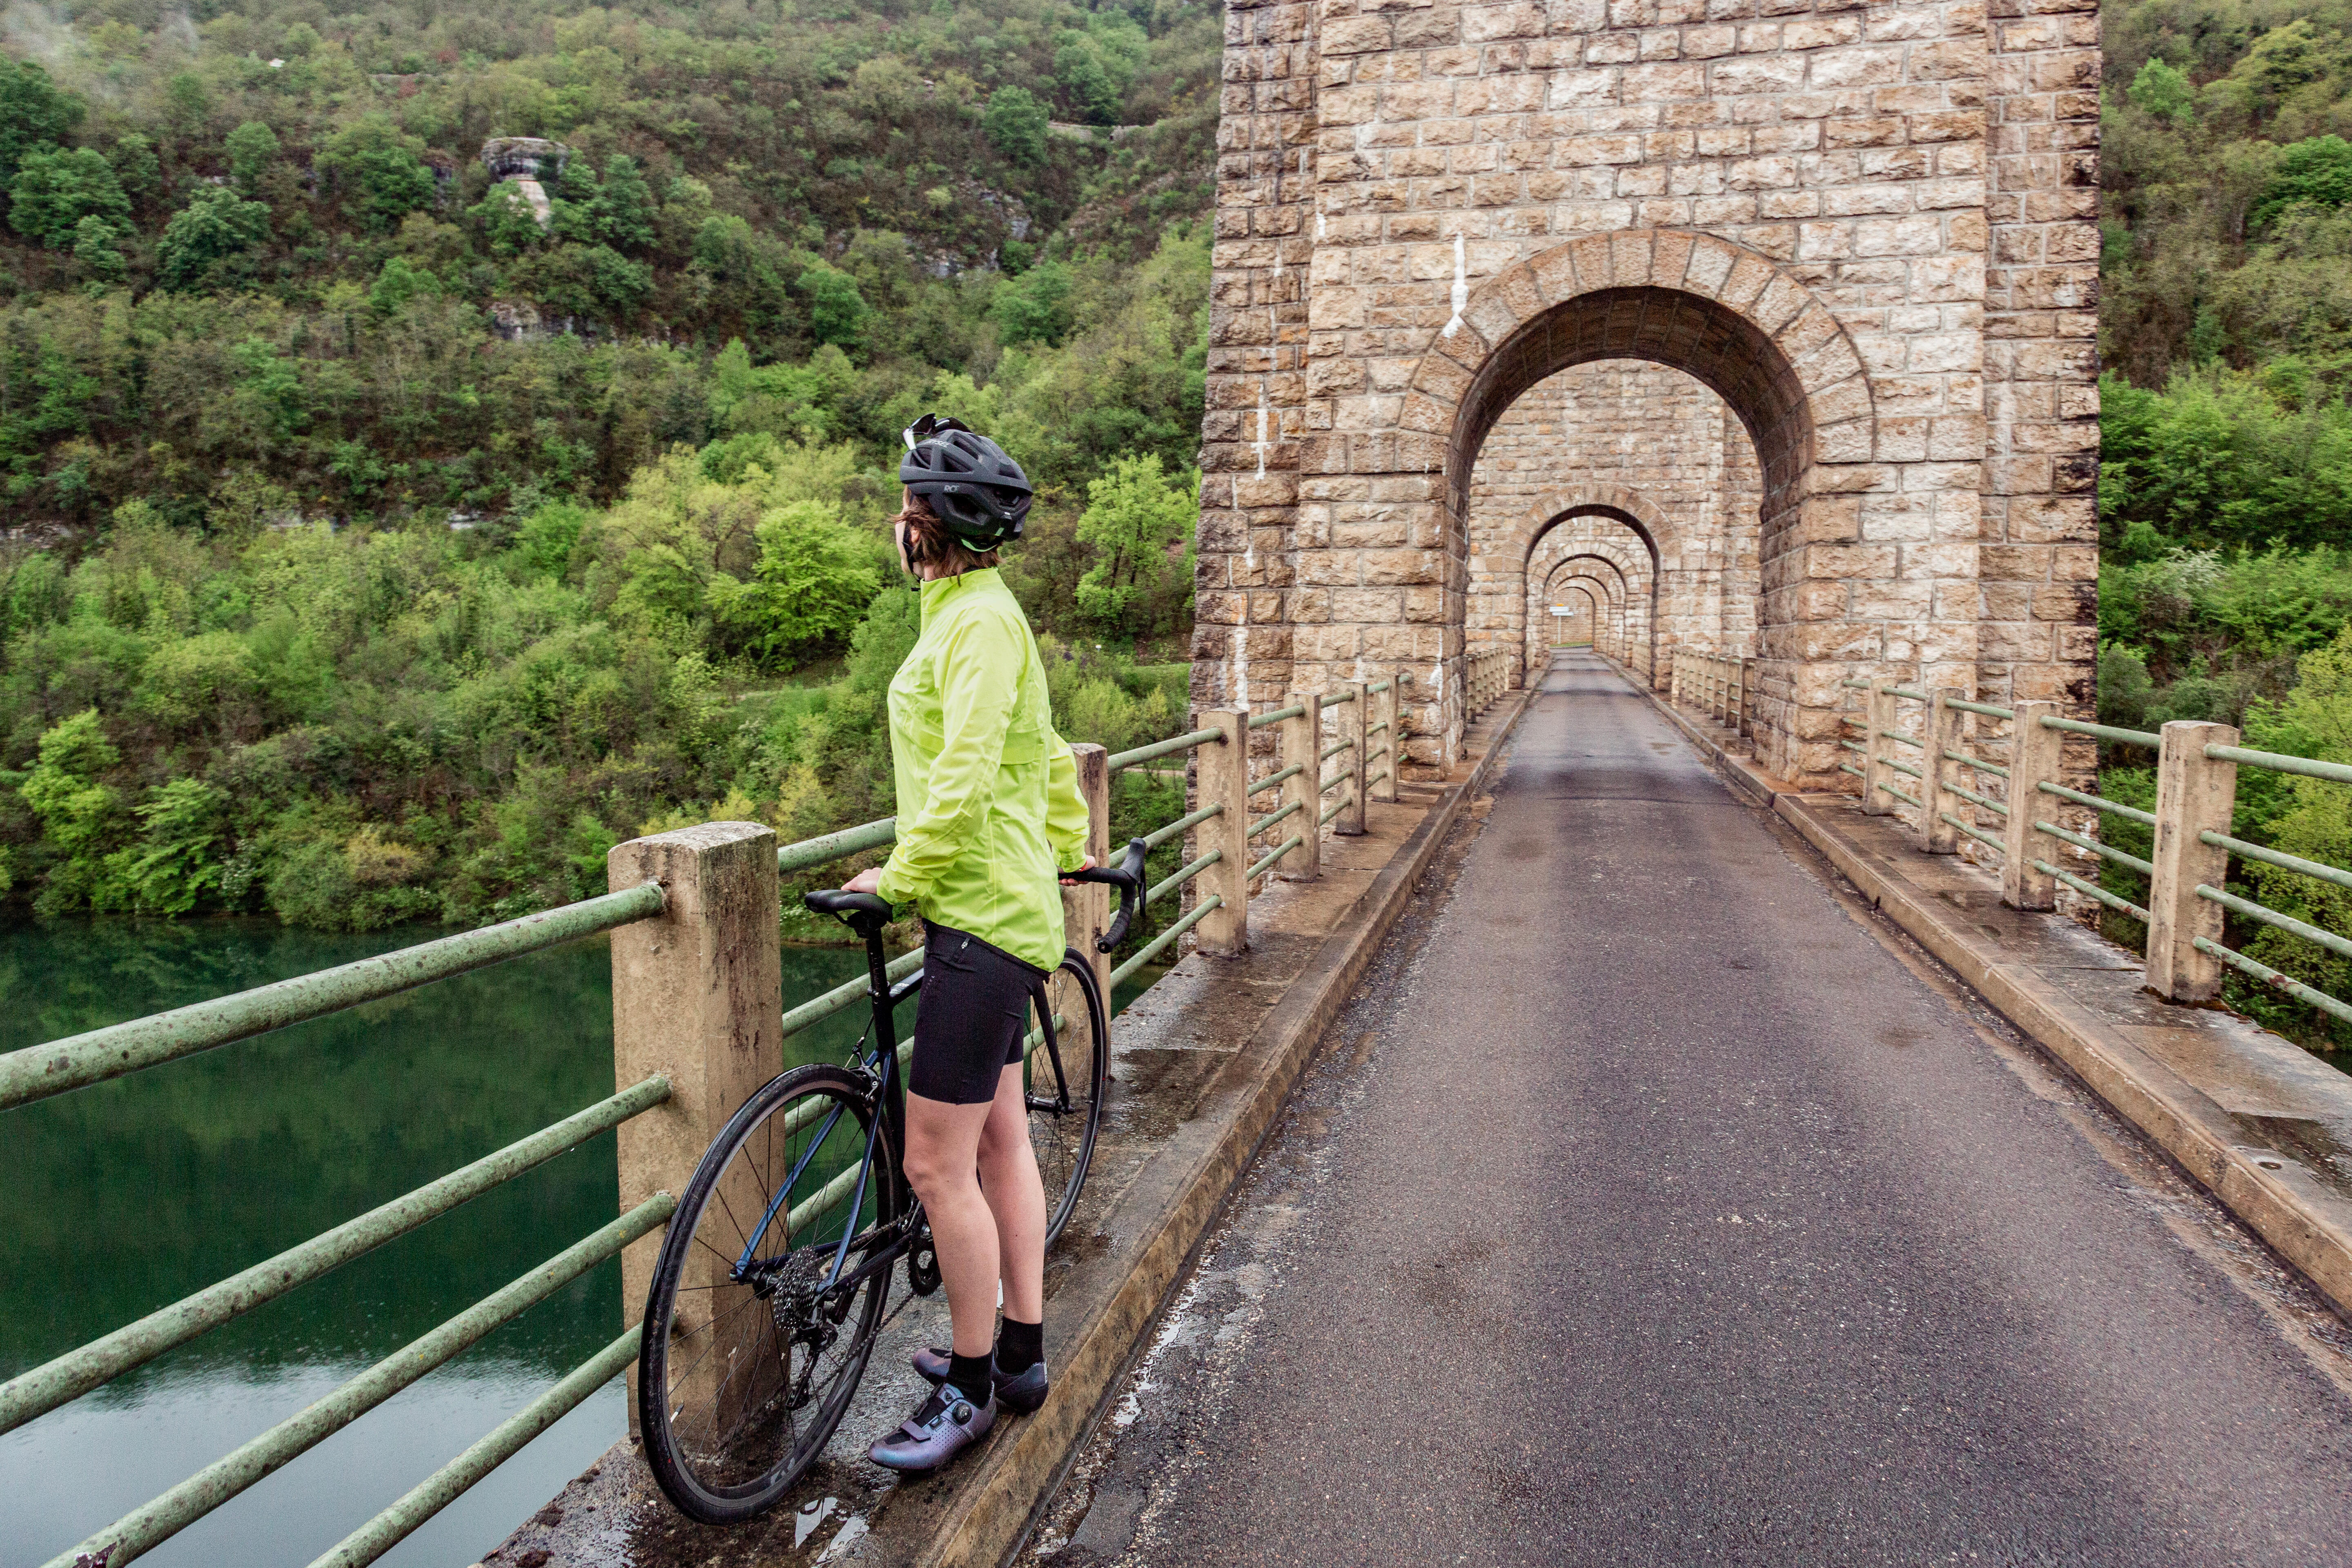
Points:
(928, 425)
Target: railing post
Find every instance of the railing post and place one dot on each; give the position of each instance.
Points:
(1739, 703)
(2034, 754)
(1353, 718)
(1302, 743)
(2194, 794)
(1223, 778)
(1086, 909)
(1383, 788)
(1878, 714)
(698, 996)
(1938, 836)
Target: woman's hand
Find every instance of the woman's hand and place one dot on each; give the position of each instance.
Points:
(866, 881)
(1085, 863)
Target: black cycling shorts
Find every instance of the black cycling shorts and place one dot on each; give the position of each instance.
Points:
(972, 1016)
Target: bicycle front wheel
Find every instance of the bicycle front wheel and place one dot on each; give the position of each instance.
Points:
(1064, 1081)
(758, 1324)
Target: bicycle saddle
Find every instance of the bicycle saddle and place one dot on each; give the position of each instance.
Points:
(857, 910)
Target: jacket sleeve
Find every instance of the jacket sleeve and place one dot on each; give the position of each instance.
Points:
(979, 674)
(1066, 808)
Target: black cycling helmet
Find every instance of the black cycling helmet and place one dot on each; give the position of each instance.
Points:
(980, 494)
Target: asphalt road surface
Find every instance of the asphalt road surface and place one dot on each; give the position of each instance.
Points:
(1656, 1207)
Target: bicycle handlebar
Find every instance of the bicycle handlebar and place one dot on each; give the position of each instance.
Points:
(1127, 876)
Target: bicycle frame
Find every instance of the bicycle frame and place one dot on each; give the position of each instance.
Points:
(890, 1123)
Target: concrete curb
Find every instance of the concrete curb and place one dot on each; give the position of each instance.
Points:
(991, 1510)
(2282, 1201)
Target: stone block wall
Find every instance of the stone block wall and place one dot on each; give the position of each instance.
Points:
(1426, 210)
(1645, 452)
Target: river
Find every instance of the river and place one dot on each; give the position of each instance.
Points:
(124, 1196)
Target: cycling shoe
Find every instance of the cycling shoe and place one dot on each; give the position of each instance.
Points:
(947, 1424)
(1021, 1392)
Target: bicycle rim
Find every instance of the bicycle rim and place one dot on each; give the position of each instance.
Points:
(1066, 1088)
(747, 1367)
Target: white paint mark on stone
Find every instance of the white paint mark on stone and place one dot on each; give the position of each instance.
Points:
(1261, 429)
(1319, 226)
(852, 1531)
(810, 1516)
(1460, 289)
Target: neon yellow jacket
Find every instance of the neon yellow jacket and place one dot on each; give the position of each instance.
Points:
(989, 807)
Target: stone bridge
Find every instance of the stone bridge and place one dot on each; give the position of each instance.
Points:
(1794, 302)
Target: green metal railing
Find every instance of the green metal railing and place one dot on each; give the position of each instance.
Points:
(38, 1071)
(2109, 734)
(58, 1066)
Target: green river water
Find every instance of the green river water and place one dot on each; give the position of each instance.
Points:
(123, 1196)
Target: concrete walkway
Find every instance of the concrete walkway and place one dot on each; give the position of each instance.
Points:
(1657, 1207)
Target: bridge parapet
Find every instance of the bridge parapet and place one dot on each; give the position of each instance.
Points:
(699, 1022)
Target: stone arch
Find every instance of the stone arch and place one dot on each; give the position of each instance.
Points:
(1594, 616)
(1749, 330)
(1731, 317)
(1615, 597)
(1633, 558)
(1610, 612)
(1632, 588)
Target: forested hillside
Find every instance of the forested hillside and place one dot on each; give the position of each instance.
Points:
(383, 544)
(2225, 493)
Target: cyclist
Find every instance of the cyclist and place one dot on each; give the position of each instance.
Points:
(989, 810)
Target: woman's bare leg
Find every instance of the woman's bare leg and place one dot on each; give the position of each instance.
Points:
(943, 1145)
(1016, 1197)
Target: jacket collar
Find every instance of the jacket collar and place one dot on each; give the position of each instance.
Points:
(940, 591)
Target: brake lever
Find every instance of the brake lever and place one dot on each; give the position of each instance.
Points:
(1128, 877)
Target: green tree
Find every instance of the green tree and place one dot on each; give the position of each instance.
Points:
(510, 227)
(136, 165)
(377, 172)
(98, 246)
(177, 859)
(54, 190)
(34, 113)
(2163, 91)
(2316, 173)
(81, 814)
(624, 209)
(400, 282)
(838, 308)
(1034, 307)
(211, 239)
(252, 147)
(812, 585)
(1014, 125)
(1135, 515)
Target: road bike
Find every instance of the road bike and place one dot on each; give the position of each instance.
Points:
(768, 1294)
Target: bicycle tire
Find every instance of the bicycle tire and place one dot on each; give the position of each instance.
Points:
(730, 1456)
(1064, 1139)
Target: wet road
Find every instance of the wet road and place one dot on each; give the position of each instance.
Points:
(1653, 1209)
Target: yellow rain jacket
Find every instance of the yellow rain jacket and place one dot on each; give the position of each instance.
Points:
(989, 808)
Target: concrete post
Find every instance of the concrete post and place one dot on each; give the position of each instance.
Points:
(1302, 743)
(1938, 836)
(1349, 720)
(1223, 772)
(2194, 794)
(698, 996)
(2034, 754)
(1086, 909)
(1380, 777)
(1878, 714)
(1739, 709)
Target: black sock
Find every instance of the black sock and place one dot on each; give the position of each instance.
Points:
(1019, 1346)
(970, 1376)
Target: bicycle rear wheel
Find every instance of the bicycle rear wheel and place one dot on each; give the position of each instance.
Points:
(749, 1358)
(1066, 1086)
